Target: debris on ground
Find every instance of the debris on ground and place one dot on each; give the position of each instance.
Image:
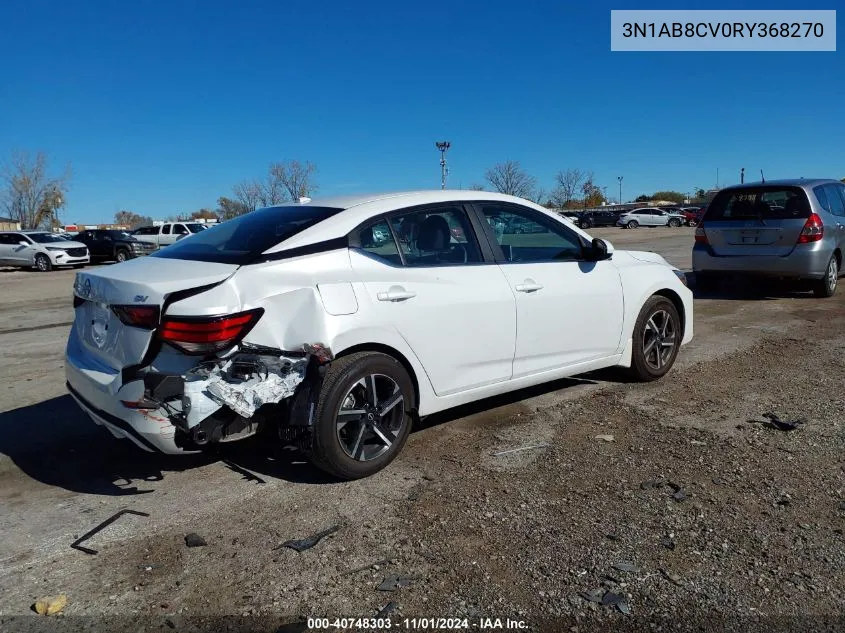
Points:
(247, 475)
(680, 494)
(389, 608)
(617, 600)
(394, 582)
(376, 566)
(594, 595)
(523, 448)
(307, 543)
(774, 422)
(654, 483)
(673, 578)
(194, 540)
(101, 526)
(606, 438)
(668, 543)
(626, 567)
(50, 605)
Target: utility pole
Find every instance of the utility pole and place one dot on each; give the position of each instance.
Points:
(717, 178)
(619, 178)
(443, 146)
(742, 176)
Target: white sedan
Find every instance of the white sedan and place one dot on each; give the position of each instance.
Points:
(336, 323)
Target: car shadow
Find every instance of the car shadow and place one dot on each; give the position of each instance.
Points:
(55, 443)
(751, 290)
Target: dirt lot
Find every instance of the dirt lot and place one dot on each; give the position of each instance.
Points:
(663, 494)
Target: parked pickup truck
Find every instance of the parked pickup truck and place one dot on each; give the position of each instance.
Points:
(111, 245)
(167, 233)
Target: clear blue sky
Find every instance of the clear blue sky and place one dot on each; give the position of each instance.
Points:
(161, 107)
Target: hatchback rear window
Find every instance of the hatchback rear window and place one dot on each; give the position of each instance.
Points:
(755, 203)
(242, 240)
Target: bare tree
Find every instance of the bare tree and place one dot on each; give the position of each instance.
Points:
(132, 219)
(228, 208)
(510, 178)
(538, 195)
(30, 195)
(476, 187)
(567, 185)
(294, 177)
(250, 194)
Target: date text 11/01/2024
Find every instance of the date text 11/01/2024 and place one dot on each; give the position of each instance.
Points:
(422, 624)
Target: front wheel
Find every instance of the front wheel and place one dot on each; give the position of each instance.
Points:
(674, 223)
(43, 263)
(121, 256)
(826, 286)
(632, 224)
(584, 224)
(363, 415)
(656, 339)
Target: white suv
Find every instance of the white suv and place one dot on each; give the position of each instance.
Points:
(335, 323)
(41, 250)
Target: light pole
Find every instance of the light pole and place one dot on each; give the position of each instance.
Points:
(442, 146)
(619, 178)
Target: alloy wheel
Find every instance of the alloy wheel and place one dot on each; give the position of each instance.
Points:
(42, 263)
(659, 339)
(832, 275)
(370, 417)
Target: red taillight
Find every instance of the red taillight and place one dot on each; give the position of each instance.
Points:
(137, 316)
(813, 230)
(205, 335)
(700, 235)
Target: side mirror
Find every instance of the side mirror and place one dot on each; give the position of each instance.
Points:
(23, 243)
(599, 251)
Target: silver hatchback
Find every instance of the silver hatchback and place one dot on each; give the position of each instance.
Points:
(791, 229)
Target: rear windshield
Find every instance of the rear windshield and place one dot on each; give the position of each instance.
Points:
(759, 203)
(241, 240)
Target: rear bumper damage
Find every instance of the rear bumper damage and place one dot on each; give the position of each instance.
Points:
(220, 400)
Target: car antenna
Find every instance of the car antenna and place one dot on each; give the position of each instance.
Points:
(762, 177)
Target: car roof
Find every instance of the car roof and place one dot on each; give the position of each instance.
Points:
(359, 208)
(786, 182)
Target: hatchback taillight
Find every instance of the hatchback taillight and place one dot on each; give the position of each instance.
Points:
(145, 317)
(700, 235)
(206, 335)
(813, 230)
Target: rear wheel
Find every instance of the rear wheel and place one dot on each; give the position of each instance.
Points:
(43, 263)
(656, 339)
(633, 224)
(826, 286)
(584, 224)
(363, 415)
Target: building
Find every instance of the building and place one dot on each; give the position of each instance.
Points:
(9, 224)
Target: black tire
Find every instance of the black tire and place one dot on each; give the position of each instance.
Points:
(674, 223)
(121, 255)
(650, 345)
(329, 451)
(584, 224)
(692, 223)
(632, 224)
(826, 286)
(43, 263)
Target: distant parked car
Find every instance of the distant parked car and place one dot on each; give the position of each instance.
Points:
(41, 250)
(168, 233)
(112, 245)
(649, 216)
(793, 229)
(589, 219)
(691, 215)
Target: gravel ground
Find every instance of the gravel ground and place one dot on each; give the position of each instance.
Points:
(663, 500)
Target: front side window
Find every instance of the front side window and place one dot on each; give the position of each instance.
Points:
(436, 237)
(179, 229)
(165, 230)
(242, 240)
(541, 239)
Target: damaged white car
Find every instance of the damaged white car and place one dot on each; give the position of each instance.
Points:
(333, 325)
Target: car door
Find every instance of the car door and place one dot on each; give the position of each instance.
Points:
(568, 311)
(6, 242)
(836, 198)
(179, 231)
(21, 254)
(425, 273)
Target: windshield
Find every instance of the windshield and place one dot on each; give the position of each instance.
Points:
(196, 228)
(241, 240)
(45, 238)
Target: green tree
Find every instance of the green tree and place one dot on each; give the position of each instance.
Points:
(132, 219)
(642, 198)
(671, 196)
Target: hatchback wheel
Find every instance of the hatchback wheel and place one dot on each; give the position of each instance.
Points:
(632, 224)
(363, 415)
(43, 263)
(656, 339)
(826, 286)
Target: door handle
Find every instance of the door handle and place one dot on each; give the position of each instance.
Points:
(528, 286)
(396, 293)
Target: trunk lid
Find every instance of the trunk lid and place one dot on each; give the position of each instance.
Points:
(138, 282)
(757, 220)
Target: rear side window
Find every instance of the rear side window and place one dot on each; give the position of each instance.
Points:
(243, 239)
(378, 242)
(837, 207)
(436, 237)
(753, 203)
